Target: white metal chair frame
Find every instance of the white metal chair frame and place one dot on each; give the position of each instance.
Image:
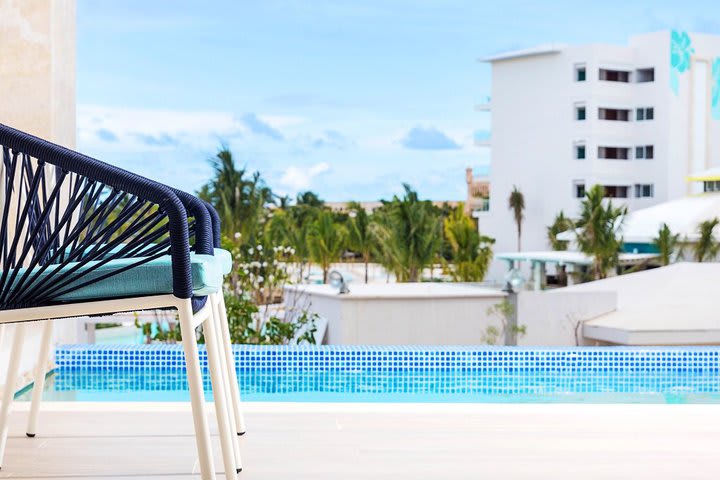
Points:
(188, 322)
(37, 268)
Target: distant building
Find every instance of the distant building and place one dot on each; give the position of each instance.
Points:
(372, 206)
(478, 193)
(477, 200)
(637, 119)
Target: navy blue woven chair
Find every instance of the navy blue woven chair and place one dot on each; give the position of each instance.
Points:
(79, 237)
(218, 301)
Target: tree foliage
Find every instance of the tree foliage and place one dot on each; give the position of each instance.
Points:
(361, 239)
(560, 224)
(666, 243)
(409, 233)
(707, 246)
(240, 198)
(516, 203)
(599, 231)
(326, 241)
(471, 252)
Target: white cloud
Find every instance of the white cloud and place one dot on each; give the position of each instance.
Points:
(134, 128)
(282, 121)
(296, 179)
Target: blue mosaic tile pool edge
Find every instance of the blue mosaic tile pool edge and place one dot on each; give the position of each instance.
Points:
(386, 358)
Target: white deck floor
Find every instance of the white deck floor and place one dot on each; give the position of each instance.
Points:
(385, 441)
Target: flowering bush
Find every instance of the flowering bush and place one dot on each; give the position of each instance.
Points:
(255, 291)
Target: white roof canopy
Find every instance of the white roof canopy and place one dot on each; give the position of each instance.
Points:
(673, 305)
(682, 216)
(568, 257)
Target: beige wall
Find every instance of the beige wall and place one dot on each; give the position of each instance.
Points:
(37, 67)
(37, 95)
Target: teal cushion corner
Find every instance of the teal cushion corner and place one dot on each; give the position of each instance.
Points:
(151, 278)
(225, 259)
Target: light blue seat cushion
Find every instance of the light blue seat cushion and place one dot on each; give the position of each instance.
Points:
(225, 259)
(150, 278)
(220, 255)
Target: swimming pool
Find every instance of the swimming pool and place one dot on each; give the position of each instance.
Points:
(400, 374)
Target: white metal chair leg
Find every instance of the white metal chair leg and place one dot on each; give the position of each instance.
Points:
(39, 384)
(221, 405)
(2, 334)
(197, 398)
(226, 381)
(230, 360)
(9, 390)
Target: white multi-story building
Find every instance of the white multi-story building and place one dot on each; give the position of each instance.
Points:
(636, 119)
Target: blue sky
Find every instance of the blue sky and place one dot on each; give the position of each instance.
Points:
(347, 98)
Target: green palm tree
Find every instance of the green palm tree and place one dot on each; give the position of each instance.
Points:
(707, 247)
(360, 235)
(471, 252)
(284, 230)
(326, 241)
(409, 235)
(516, 203)
(666, 243)
(599, 235)
(240, 199)
(560, 224)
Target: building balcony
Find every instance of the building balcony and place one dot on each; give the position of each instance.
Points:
(484, 105)
(482, 138)
(479, 206)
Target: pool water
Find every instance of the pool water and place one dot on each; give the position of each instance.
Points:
(400, 385)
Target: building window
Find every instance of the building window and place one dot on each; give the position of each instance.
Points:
(614, 153)
(616, 191)
(644, 152)
(580, 112)
(711, 186)
(580, 73)
(643, 75)
(579, 189)
(615, 114)
(614, 75)
(644, 113)
(580, 151)
(644, 190)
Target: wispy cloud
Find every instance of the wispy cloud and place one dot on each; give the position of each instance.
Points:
(301, 100)
(131, 129)
(430, 138)
(161, 140)
(296, 179)
(259, 127)
(332, 139)
(106, 135)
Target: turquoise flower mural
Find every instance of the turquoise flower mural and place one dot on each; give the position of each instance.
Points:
(680, 52)
(715, 105)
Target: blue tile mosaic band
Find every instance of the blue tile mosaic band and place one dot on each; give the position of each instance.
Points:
(392, 358)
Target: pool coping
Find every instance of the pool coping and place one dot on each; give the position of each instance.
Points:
(359, 407)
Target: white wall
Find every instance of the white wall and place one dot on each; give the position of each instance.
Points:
(418, 320)
(554, 318)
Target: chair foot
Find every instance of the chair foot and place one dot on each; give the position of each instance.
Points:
(30, 435)
(238, 470)
(240, 434)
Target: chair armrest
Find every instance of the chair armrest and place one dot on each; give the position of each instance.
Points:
(95, 210)
(216, 226)
(202, 227)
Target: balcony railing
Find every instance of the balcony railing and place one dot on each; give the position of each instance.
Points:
(484, 105)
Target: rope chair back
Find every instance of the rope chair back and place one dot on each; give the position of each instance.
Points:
(64, 216)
